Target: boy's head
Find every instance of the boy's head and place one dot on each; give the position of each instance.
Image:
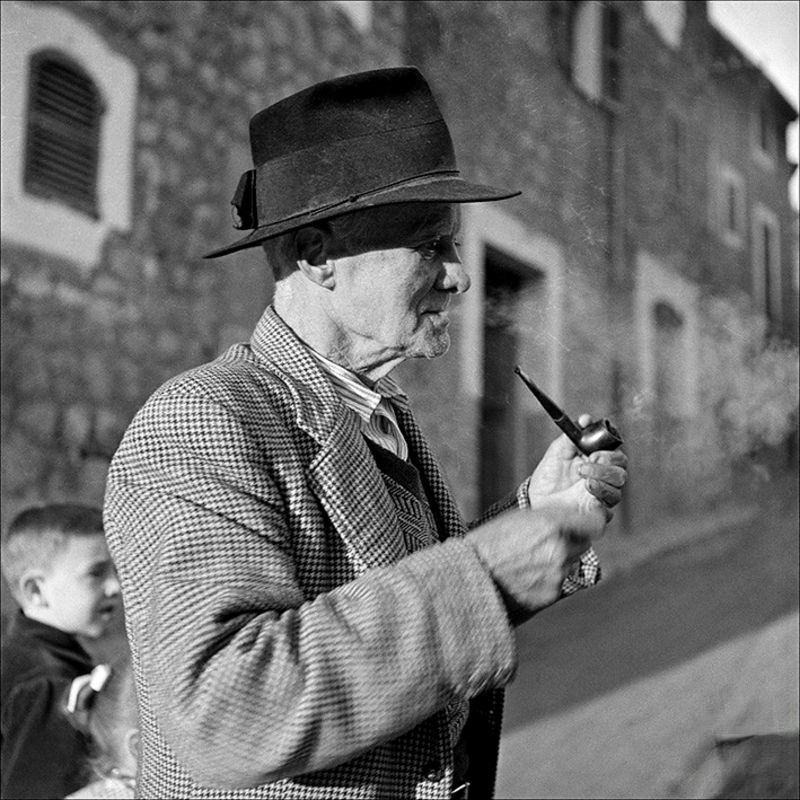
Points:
(57, 564)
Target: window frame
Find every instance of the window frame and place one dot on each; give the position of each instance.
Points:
(669, 26)
(770, 306)
(596, 67)
(762, 118)
(730, 178)
(41, 224)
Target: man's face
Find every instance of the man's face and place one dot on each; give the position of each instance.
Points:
(391, 304)
(81, 588)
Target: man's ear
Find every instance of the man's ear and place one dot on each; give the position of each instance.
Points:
(312, 248)
(30, 589)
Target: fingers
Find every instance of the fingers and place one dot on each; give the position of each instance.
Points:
(608, 495)
(615, 457)
(614, 476)
(606, 473)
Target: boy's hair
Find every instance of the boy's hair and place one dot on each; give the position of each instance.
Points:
(37, 535)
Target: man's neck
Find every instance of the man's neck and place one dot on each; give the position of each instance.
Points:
(315, 329)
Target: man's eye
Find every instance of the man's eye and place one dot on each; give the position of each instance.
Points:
(430, 250)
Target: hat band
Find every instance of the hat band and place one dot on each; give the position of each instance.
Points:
(339, 173)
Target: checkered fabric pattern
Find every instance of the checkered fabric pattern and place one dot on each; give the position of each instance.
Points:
(284, 643)
(419, 530)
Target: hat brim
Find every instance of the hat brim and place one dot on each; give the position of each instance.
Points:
(430, 190)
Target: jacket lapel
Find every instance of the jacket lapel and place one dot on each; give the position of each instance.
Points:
(451, 523)
(350, 488)
(342, 475)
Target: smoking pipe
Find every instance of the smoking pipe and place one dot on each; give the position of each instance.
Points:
(597, 435)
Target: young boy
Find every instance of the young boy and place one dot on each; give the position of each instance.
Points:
(57, 565)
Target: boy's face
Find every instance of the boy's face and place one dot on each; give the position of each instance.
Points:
(80, 591)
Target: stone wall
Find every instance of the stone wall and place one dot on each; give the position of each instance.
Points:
(82, 350)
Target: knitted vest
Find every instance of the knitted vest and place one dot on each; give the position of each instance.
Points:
(419, 529)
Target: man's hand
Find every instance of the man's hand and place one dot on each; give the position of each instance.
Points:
(566, 477)
(529, 553)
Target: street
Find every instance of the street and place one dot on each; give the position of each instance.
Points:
(622, 688)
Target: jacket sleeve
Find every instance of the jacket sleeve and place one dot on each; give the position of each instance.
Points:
(251, 681)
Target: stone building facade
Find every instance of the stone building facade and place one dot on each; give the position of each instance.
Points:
(629, 127)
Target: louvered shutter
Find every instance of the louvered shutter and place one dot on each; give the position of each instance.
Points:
(64, 114)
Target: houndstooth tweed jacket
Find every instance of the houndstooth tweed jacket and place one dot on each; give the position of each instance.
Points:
(285, 644)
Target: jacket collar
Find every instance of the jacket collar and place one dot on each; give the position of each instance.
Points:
(57, 641)
(342, 474)
(319, 407)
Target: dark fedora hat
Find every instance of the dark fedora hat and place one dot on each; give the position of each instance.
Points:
(349, 143)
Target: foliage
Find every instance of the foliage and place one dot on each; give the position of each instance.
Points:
(750, 381)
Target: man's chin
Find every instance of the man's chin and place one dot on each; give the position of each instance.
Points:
(435, 345)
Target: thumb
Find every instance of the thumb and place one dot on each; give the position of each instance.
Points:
(578, 498)
(561, 449)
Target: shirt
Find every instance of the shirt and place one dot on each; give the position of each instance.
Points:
(373, 405)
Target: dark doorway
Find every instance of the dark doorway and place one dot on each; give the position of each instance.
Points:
(512, 289)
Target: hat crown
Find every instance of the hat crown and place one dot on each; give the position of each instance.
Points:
(341, 109)
(347, 144)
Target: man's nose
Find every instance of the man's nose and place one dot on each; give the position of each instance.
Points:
(453, 277)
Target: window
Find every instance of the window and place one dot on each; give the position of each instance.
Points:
(668, 328)
(765, 133)
(64, 115)
(506, 435)
(68, 116)
(767, 265)
(731, 217)
(596, 50)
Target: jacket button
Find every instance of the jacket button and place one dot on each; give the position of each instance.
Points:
(433, 771)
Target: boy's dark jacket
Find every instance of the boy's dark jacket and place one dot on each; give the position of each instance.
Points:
(43, 756)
